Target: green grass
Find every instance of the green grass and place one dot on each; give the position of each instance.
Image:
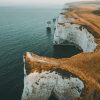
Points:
(97, 12)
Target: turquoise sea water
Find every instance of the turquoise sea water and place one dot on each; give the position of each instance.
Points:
(21, 30)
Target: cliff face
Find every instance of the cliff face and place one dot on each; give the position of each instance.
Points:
(68, 78)
(49, 83)
(74, 78)
(67, 33)
(55, 83)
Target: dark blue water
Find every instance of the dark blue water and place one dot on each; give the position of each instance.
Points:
(21, 30)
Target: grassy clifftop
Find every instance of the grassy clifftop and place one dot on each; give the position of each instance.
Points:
(86, 66)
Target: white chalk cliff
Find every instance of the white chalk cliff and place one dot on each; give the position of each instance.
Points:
(56, 84)
(73, 34)
(40, 86)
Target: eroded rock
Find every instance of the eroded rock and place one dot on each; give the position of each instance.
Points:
(73, 34)
(46, 85)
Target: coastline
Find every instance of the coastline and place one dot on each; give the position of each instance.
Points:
(86, 65)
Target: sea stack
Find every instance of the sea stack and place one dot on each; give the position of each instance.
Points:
(48, 27)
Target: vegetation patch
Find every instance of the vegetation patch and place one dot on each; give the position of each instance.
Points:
(97, 12)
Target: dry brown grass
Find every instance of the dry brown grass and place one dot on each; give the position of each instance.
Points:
(85, 66)
(84, 15)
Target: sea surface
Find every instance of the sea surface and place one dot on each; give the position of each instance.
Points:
(23, 29)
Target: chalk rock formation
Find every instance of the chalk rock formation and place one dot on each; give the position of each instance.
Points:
(57, 84)
(73, 34)
(47, 78)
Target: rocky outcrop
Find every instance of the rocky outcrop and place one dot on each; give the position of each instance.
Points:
(56, 84)
(69, 78)
(67, 33)
(52, 83)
